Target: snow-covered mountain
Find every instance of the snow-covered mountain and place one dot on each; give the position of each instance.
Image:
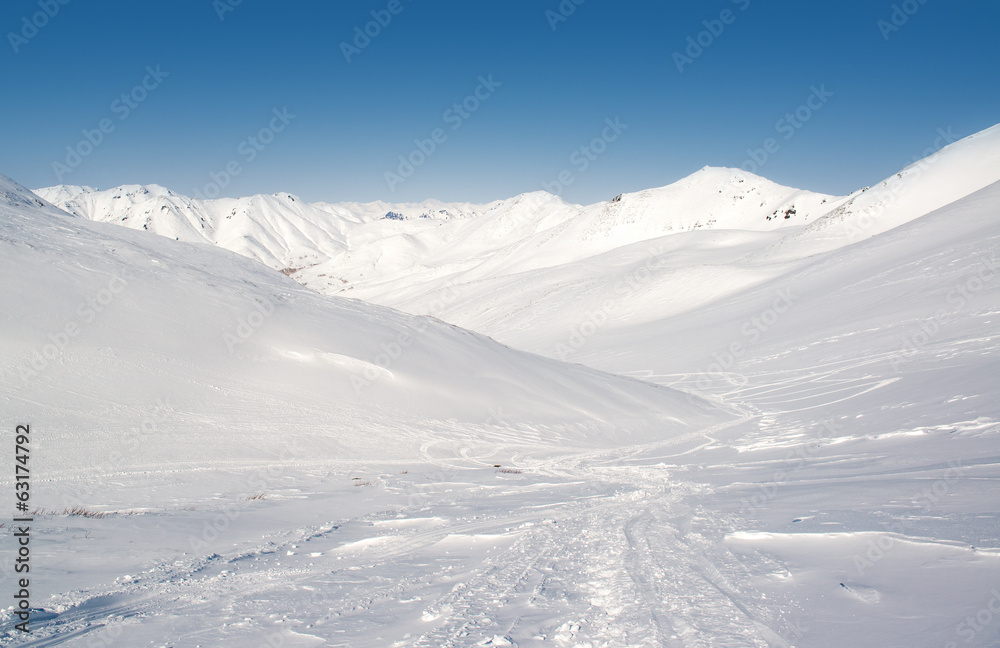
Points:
(950, 170)
(766, 433)
(379, 209)
(279, 230)
(622, 264)
(239, 326)
(354, 245)
(405, 254)
(520, 269)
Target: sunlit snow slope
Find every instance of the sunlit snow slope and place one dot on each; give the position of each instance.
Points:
(367, 247)
(477, 496)
(109, 322)
(588, 307)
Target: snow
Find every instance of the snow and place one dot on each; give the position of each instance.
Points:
(941, 177)
(677, 423)
(341, 247)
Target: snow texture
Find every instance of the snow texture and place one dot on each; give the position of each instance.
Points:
(675, 419)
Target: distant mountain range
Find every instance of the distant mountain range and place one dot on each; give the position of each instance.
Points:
(501, 268)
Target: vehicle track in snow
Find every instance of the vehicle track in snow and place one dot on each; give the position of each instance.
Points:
(606, 566)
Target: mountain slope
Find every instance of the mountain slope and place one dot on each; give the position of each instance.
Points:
(551, 296)
(335, 247)
(944, 175)
(279, 230)
(851, 502)
(228, 341)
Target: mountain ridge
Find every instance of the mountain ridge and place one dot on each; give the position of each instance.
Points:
(286, 233)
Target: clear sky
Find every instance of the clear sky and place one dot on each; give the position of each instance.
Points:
(555, 71)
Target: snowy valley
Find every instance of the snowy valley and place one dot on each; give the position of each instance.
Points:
(723, 412)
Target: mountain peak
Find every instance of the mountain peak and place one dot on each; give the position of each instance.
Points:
(16, 196)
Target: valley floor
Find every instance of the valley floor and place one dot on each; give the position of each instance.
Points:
(836, 483)
(770, 530)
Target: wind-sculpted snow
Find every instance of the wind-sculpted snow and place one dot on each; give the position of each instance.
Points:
(254, 463)
(222, 322)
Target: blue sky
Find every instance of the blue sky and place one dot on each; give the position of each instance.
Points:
(555, 72)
